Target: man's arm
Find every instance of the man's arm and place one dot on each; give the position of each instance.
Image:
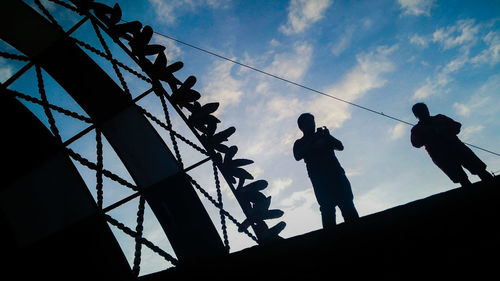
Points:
(336, 144)
(302, 146)
(415, 138)
(298, 150)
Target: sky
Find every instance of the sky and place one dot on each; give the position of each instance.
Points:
(383, 55)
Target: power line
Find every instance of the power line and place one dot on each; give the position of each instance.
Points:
(480, 148)
(302, 86)
(282, 79)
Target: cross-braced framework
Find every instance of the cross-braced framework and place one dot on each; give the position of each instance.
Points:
(182, 98)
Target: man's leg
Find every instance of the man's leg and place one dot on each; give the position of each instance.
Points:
(472, 163)
(484, 175)
(463, 179)
(321, 186)
(328, 215)
(453, 169)
(348, 210)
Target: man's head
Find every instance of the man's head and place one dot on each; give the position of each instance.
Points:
(420, 111)
(306, 123)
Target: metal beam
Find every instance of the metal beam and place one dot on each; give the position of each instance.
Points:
(45, 206)
(143, 152)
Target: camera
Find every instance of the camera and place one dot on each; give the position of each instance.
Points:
(323, 130)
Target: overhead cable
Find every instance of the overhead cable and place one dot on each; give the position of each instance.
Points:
(303, 86)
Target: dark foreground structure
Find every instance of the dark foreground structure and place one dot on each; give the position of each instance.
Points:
(52, 227)
(454, 234)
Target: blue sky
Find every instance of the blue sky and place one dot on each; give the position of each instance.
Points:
(385, 55)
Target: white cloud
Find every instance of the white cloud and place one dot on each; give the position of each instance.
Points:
(164, 11)
(490, 55)
(298, 198)
(398, 131)
(464, 32)
(425, 91)
(6, 71)
(416, 7)
(349, 33)
(255, 170)
(461, 109)
(278, 139)
(302, 14)
(375, 200)
(442, 78)
(282, 107)
(167, 11)
(301, 212)
(262, 87)
(480, 99)
(365, 76)
(328, 112)
(343, 42)
(172, 51)
(341, 45)
(221, 86)
(470, 131)
(274, 43)
(274, 115)
(272, 108)
(349, 172)
(367, 23)
(278, 185)
(225, 84)
(483, 96)
(456, 64)
(419, 40)
(216, 3)
(292, 65)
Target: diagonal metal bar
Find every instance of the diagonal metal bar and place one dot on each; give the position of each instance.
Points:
(82, 160)
(139, 230)
(137, 194)
(113, 63)
(90, 128)
(14, 56)
(100, 167)
(45, 103)
(104, 55)
(219, 200)
(143, 240)
(51, 106)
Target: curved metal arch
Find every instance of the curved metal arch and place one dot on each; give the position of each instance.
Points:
(141, 149)
(45, 206)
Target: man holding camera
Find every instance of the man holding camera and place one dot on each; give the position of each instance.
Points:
(438, 134)
(330, 184)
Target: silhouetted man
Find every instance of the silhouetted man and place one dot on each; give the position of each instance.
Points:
(331, 186)
(439, 136)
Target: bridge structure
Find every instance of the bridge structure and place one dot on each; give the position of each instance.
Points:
(45, 203)
(55, 227)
